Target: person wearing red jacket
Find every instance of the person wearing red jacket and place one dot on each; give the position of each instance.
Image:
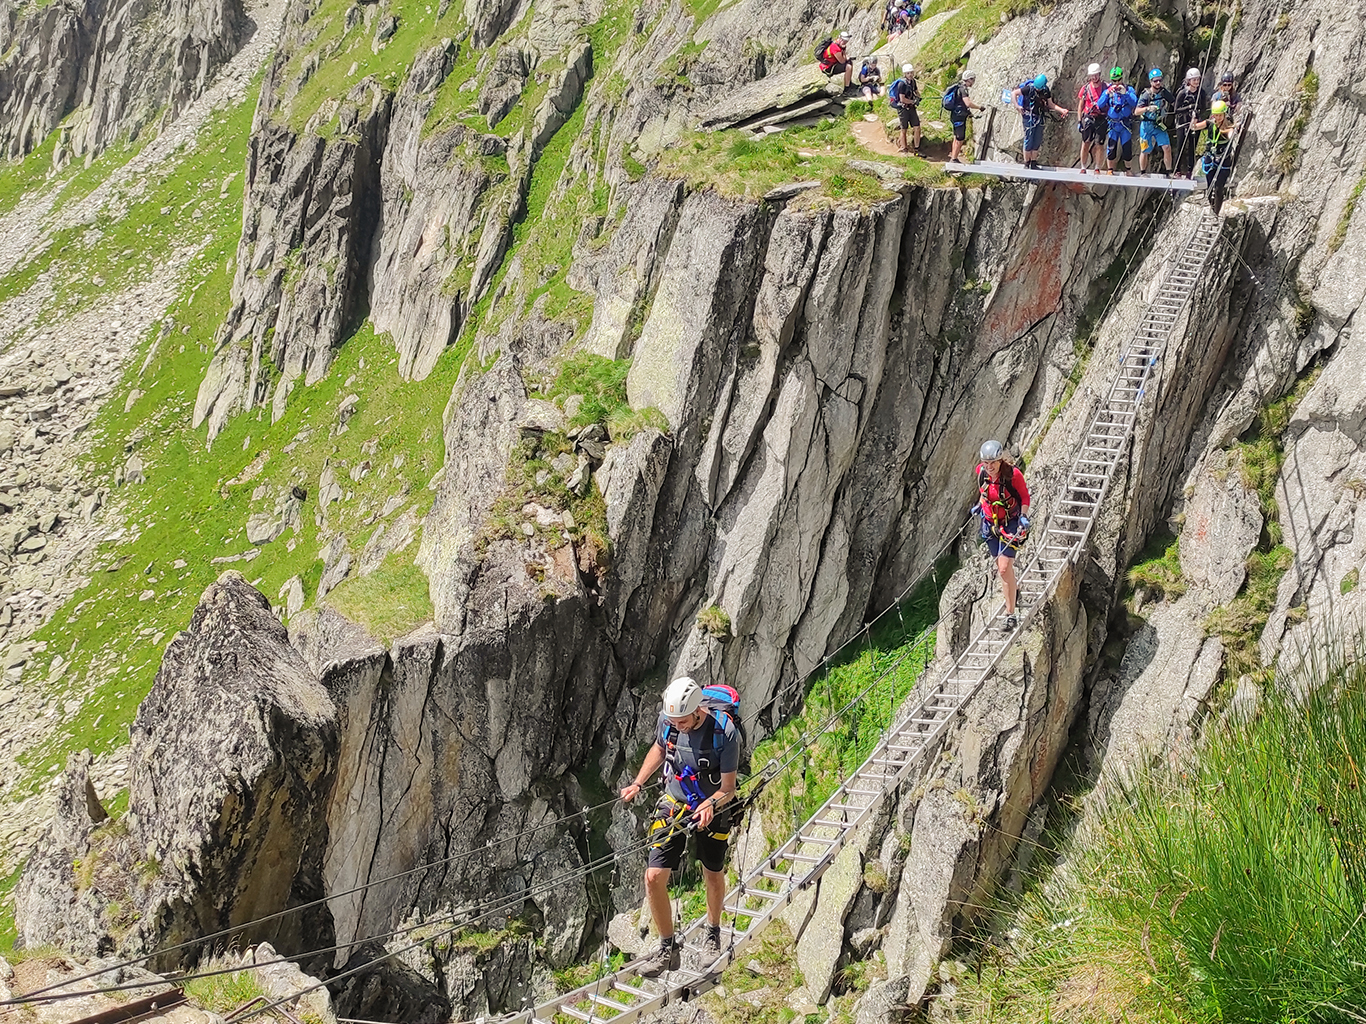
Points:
(1003, 502)
(1092, 124)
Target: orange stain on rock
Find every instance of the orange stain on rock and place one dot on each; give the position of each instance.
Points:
(1032, 287)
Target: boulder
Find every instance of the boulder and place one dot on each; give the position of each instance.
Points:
(1223, 523)
(223, 824)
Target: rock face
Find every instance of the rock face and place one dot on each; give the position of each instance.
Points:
(306, 233)
(119, 63)
(223, 825)
(442, 229)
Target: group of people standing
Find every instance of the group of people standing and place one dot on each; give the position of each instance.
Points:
(1176, 125)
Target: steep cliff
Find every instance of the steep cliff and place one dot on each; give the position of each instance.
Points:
(811, 373)
(117, 66)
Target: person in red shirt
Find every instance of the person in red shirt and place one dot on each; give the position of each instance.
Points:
(1003, 502)
(1092, 125)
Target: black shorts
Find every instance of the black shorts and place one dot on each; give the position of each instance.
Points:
(908, 116)
(710, 843)
(1093, 129)
(960, 130)
(1115, 150)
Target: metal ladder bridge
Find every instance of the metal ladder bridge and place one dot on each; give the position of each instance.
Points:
(766, 890)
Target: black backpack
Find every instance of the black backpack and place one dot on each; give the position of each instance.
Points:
(822, 46)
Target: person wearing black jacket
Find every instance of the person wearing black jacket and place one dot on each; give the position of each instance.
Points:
(1192, 104)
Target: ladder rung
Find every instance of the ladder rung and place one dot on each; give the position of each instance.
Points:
(764, 894)
(631, 990)
(827, 823)
(611, 1004)
(804, 838)
(570, 1011)
(775, 876)
(841, 807)
(1068, 533)
(864, 792)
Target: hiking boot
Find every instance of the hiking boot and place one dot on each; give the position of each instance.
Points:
(711, 942)
(665, 958)
(1011, 622)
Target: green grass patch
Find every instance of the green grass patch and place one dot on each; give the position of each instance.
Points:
(223, 993)
(938, 60)
(1227, 886)
(1158, 567)
(9, 933)
(1239, 624)
(1340, 231)
(762, 979)
(886, 662)
(333, 50)
(736, 165)
(1307, 95)
(390, 602)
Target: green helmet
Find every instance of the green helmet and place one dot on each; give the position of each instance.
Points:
(1116, 74)
(1218, 107)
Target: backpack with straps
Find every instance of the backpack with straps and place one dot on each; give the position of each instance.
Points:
(822, 48)
(1004, 487)
(950, 98)
(719, 699)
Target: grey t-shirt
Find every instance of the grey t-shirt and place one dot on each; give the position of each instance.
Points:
(691, 748)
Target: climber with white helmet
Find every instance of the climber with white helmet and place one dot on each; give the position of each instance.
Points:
(903, 96)
(957, 100)
(698, 746)
(1003, 504)
(1090, 121)
(1034, 100)
(832, 55)
(1192, 104)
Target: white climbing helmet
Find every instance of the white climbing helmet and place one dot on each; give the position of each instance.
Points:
(1094, 69)
(682, 697)
(991, 450)
(907, 69)
(1192, 73)
(845, 37)
(969, 75)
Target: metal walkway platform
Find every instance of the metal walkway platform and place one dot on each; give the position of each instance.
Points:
(1072, 176)
(766, 890)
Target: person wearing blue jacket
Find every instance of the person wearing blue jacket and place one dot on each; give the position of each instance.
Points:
(1118, 106)
(1034, 100)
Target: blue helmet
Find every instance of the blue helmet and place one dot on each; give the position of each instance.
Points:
(1154, 74)
(1041, 82)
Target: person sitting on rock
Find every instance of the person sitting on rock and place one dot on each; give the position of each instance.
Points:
(957, 100)
(1192, 104)
(904, 95)
(870, 79)
(1154, 109)
(1034, 99)
(1228, 92)
(833, 58)
(1003, 504)
(1217, 163)
(1090, 121)
(1118, 106)
(699, 751)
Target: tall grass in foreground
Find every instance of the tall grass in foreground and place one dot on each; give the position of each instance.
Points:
(1230, 888)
